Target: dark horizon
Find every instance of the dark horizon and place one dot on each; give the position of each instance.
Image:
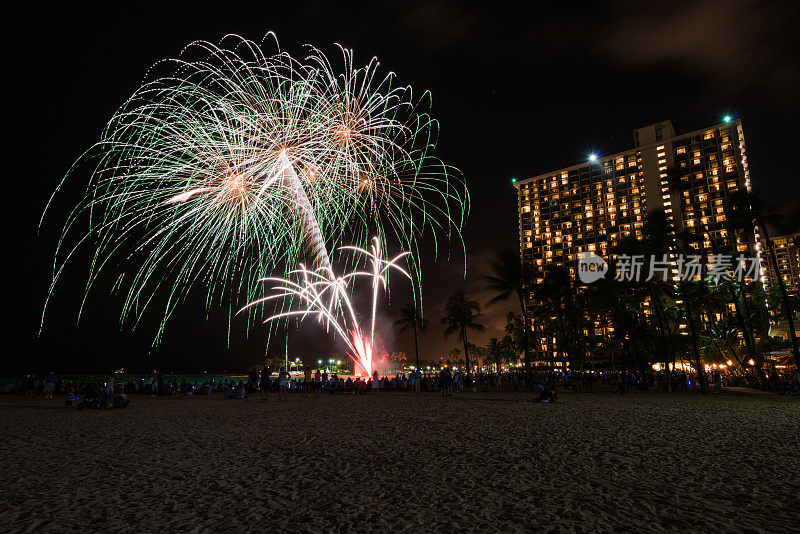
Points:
(518, 92)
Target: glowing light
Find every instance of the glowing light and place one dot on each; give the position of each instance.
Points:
(727, 119)
(236, 159)
(593, 158)
(325, 296)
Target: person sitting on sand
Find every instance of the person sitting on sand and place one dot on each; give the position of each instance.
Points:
(93, 397)
(120, 400)
(70, 391)
(348, 385)
(548, 395)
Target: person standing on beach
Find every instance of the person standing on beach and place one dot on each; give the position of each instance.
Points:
(317, 383)
(307, 381)
(266, 384)
(283, 379)
(49, 385)
(446, 380)
(252, 384)
(29, 384)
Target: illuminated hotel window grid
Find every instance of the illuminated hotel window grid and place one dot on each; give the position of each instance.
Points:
(713, 162)
(590, 208)
(787, 254)
(717, 166)
(554, 231)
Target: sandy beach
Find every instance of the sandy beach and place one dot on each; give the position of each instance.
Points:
(401, 462)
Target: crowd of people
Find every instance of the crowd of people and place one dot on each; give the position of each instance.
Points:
(113, 390)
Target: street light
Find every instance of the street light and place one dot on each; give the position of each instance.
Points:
(593, 158)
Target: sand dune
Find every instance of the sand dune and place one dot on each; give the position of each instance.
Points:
(396, 462)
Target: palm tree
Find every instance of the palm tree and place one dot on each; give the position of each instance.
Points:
(692, 293)
(494, 352)
(516, 331)
(509, 279)
(748, 208)
(411, 318)
(554, 299)
(461, 314)
(499, 351)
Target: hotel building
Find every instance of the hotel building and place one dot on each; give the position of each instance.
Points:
(591, 206)
(787, 252)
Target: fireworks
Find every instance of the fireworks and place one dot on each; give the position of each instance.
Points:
(236, 160)
(326, 297)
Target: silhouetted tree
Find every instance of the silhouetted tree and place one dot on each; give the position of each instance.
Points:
(508, 279)
(410, 318)
(461, 314)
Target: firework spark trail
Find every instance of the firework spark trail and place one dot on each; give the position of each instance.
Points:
(315, 244)
(325, 296)
(240, 160)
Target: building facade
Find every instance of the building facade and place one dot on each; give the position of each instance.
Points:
(592, 206)
(787, 254)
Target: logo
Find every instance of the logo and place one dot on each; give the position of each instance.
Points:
(591, 267)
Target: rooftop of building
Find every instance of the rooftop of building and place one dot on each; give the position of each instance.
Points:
(595, 159)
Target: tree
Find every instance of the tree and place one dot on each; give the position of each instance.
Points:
(516, 332)
(411, 318)
(461, 314)
(748, 211)
(509, 279)
(494, 353)
(499, 351)
(554, 299)
(479, 353)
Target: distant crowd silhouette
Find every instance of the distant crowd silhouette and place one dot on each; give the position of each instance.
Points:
(113, 391)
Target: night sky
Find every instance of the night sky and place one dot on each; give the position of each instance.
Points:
(518, 92)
